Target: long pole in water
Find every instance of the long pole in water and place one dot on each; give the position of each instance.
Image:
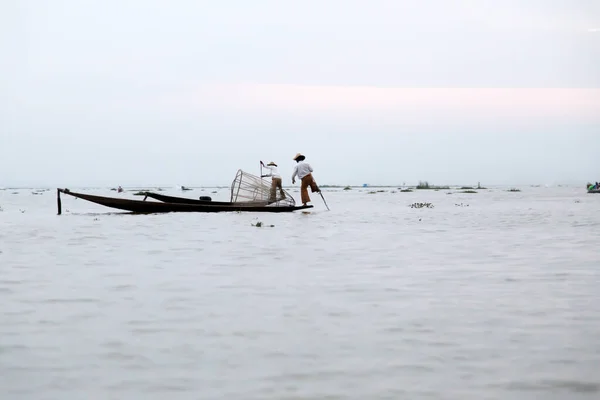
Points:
(58, 202)
(321, 193)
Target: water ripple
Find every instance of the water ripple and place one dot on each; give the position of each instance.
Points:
(372, 300)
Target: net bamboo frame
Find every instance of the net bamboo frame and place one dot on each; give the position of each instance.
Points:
(249, 188)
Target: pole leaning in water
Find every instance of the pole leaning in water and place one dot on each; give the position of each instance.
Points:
(321, 193)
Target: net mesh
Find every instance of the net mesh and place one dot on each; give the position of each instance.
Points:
(248, 188)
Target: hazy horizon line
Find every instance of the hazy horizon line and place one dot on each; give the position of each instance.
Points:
(326, 185)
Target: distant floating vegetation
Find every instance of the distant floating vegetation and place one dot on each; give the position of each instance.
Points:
(376, 191)
(424, 185)
(406, 190)
(469, 191)
(347, 188)
(513, 190)
(479, 187)
(421, 205)
(461, 205)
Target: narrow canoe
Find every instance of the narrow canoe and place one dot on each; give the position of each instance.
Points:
(151, 207)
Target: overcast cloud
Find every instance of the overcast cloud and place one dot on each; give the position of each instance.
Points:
(141, 92)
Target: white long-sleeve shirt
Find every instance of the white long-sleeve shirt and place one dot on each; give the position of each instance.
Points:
(302, 169)
(273, 171)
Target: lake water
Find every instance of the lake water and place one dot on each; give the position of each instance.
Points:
(371, 300)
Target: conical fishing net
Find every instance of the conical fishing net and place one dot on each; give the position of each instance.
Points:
(250, 188)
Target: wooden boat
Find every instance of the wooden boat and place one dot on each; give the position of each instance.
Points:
(184, 200)
(592, 188)
(151, 207)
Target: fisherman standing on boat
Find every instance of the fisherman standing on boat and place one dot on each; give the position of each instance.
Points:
(275, 180)
(304, 172)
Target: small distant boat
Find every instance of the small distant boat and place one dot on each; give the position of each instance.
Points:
(591, 188)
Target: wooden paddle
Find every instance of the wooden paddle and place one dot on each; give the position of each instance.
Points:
(321, 193)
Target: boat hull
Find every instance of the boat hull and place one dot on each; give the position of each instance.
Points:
(183, 200)
(151, 207)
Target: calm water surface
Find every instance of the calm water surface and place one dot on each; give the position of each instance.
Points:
(372, 300)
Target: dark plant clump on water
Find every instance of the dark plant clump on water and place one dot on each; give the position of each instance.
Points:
(421, 205)
(479, 187)
(259, 224)
(513, 190)
(406, 190)
(425, 185)
(461, 205)
(469, 191)
(347, 188)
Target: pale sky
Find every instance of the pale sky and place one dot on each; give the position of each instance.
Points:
(143, 92)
